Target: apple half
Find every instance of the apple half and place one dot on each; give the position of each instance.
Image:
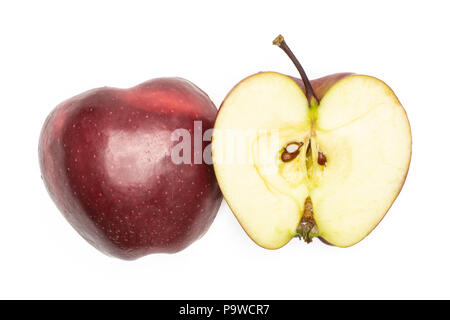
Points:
(325, 158)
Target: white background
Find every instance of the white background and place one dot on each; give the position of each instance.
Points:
(52, 50)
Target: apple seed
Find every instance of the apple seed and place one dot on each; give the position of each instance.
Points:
(321, 159)
(291, 151)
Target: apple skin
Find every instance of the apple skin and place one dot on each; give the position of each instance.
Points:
(322, 85)
(105, 158)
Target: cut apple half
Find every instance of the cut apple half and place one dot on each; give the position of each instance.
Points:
(290, 165)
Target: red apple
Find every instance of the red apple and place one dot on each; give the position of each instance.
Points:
(106, 160)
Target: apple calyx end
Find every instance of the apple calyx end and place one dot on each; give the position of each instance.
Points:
(307, 228)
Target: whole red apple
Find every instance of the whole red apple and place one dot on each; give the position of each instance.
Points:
(106, 158)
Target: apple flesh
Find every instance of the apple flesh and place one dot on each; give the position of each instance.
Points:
(105, 157)
(354, 154)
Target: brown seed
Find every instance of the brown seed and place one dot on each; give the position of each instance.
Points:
(321, 159)
(291, 151)
(286, 156)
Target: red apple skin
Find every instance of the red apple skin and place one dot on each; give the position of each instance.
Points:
(105, 158)
(322, 85)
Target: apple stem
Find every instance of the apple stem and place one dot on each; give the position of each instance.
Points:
(310, 94)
